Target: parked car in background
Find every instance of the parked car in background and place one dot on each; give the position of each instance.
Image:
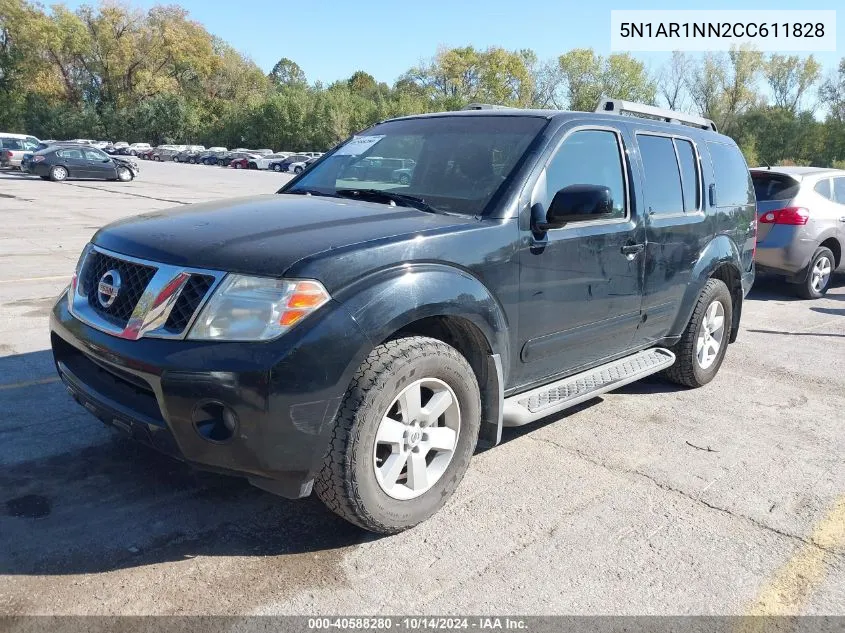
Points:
(800, 225)
(212, 155)
(144, 154)
(14, 146)
(116, 147)
(264, 162)
(187, 152)
(137, 148)
(282, 165)
(58, 163)
(262, 152)
(228, 157)
(381, 168)
(165, 152)
(300, 166)
(244, 161)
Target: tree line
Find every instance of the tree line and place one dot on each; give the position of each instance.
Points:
(120, 73)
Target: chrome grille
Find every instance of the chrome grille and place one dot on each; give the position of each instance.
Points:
(134, 280)
(189, 300)
(153, 299)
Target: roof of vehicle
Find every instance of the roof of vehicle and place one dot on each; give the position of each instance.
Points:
(799, 172)
(610, 117)
(13, 135)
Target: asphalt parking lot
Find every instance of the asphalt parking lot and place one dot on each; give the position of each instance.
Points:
(649, 500)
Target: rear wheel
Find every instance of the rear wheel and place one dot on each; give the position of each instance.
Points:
(58, 173)
(701, 350)
(403, 436)
(277, 167)
(819, 274)
(297, 170)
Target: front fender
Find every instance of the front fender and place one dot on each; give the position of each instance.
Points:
(400, 295)
(719, 251)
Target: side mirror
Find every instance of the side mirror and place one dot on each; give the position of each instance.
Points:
(578, 203)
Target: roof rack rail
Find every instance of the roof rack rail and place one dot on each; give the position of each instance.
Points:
(484, 106)
(617, 106)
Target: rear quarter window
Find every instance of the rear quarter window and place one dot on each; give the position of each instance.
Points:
(733, 180)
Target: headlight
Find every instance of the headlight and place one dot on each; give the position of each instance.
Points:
(74, 281)
(256, 308)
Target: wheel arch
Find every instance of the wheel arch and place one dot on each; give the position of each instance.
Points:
(720, 259)
(835, 247)
(447, 304)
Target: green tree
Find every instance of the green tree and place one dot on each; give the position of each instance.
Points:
(287, 73)
(789, 78)
(586, 77)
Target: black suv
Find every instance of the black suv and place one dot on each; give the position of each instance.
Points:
(364, 337)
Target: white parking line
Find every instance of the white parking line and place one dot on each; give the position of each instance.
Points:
(52, 277)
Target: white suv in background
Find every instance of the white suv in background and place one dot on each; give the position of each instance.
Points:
(136, 148)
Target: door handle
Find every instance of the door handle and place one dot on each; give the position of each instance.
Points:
(632, 250)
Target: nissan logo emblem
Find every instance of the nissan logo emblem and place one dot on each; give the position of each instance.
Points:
(108, 288)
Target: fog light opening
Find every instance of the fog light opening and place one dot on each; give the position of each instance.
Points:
(214, 421)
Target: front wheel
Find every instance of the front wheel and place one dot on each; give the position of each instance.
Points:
(297, 170)
(403, 436)
(277, 168)
(702, 347)
(124, 174)
(819, 273)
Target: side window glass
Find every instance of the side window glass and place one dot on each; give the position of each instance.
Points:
(689, 174)
(588, 157)
(733, 180)
(663, 178)
(823, 188)
(839, 190)
(71, 153)
(94, 155)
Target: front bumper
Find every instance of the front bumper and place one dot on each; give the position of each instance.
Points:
(284, 393)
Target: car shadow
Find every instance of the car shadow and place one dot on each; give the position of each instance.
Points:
(79, 497)
(771, 289)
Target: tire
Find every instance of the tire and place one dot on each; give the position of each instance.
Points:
(192, 161)
(237, 165)
(277, 168)
(404, 179)
(347, 482)
(689, 370)
(817, 282)
(58, 173)
(124, 174)
(297, 170)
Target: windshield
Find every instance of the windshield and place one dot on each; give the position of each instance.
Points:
(453, 163)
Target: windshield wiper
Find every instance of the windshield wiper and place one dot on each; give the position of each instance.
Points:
(405, 199)
(311, 192)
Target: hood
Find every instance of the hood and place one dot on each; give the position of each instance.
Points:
(262, 235)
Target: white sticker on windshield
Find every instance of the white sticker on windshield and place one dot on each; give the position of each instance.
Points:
(358, 145)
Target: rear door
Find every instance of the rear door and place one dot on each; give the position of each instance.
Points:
(74, 160)
(672, 193)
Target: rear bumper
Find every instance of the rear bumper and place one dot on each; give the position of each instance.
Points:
(284, 394)
(786, 250)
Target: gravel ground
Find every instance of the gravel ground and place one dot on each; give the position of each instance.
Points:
(649, 500)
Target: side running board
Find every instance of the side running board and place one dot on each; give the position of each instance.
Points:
(557, 396)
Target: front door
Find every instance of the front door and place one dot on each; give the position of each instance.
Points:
(98, 164)
(580, 285)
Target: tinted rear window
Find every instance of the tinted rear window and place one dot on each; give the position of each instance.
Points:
(774, 186)
(662, 176)
(733, 181)
(11, 143)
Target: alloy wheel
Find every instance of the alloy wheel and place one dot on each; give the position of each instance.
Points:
(820, 274)
(711, 335)
(416, 438)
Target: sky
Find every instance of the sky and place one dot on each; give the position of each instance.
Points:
(331, 39)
